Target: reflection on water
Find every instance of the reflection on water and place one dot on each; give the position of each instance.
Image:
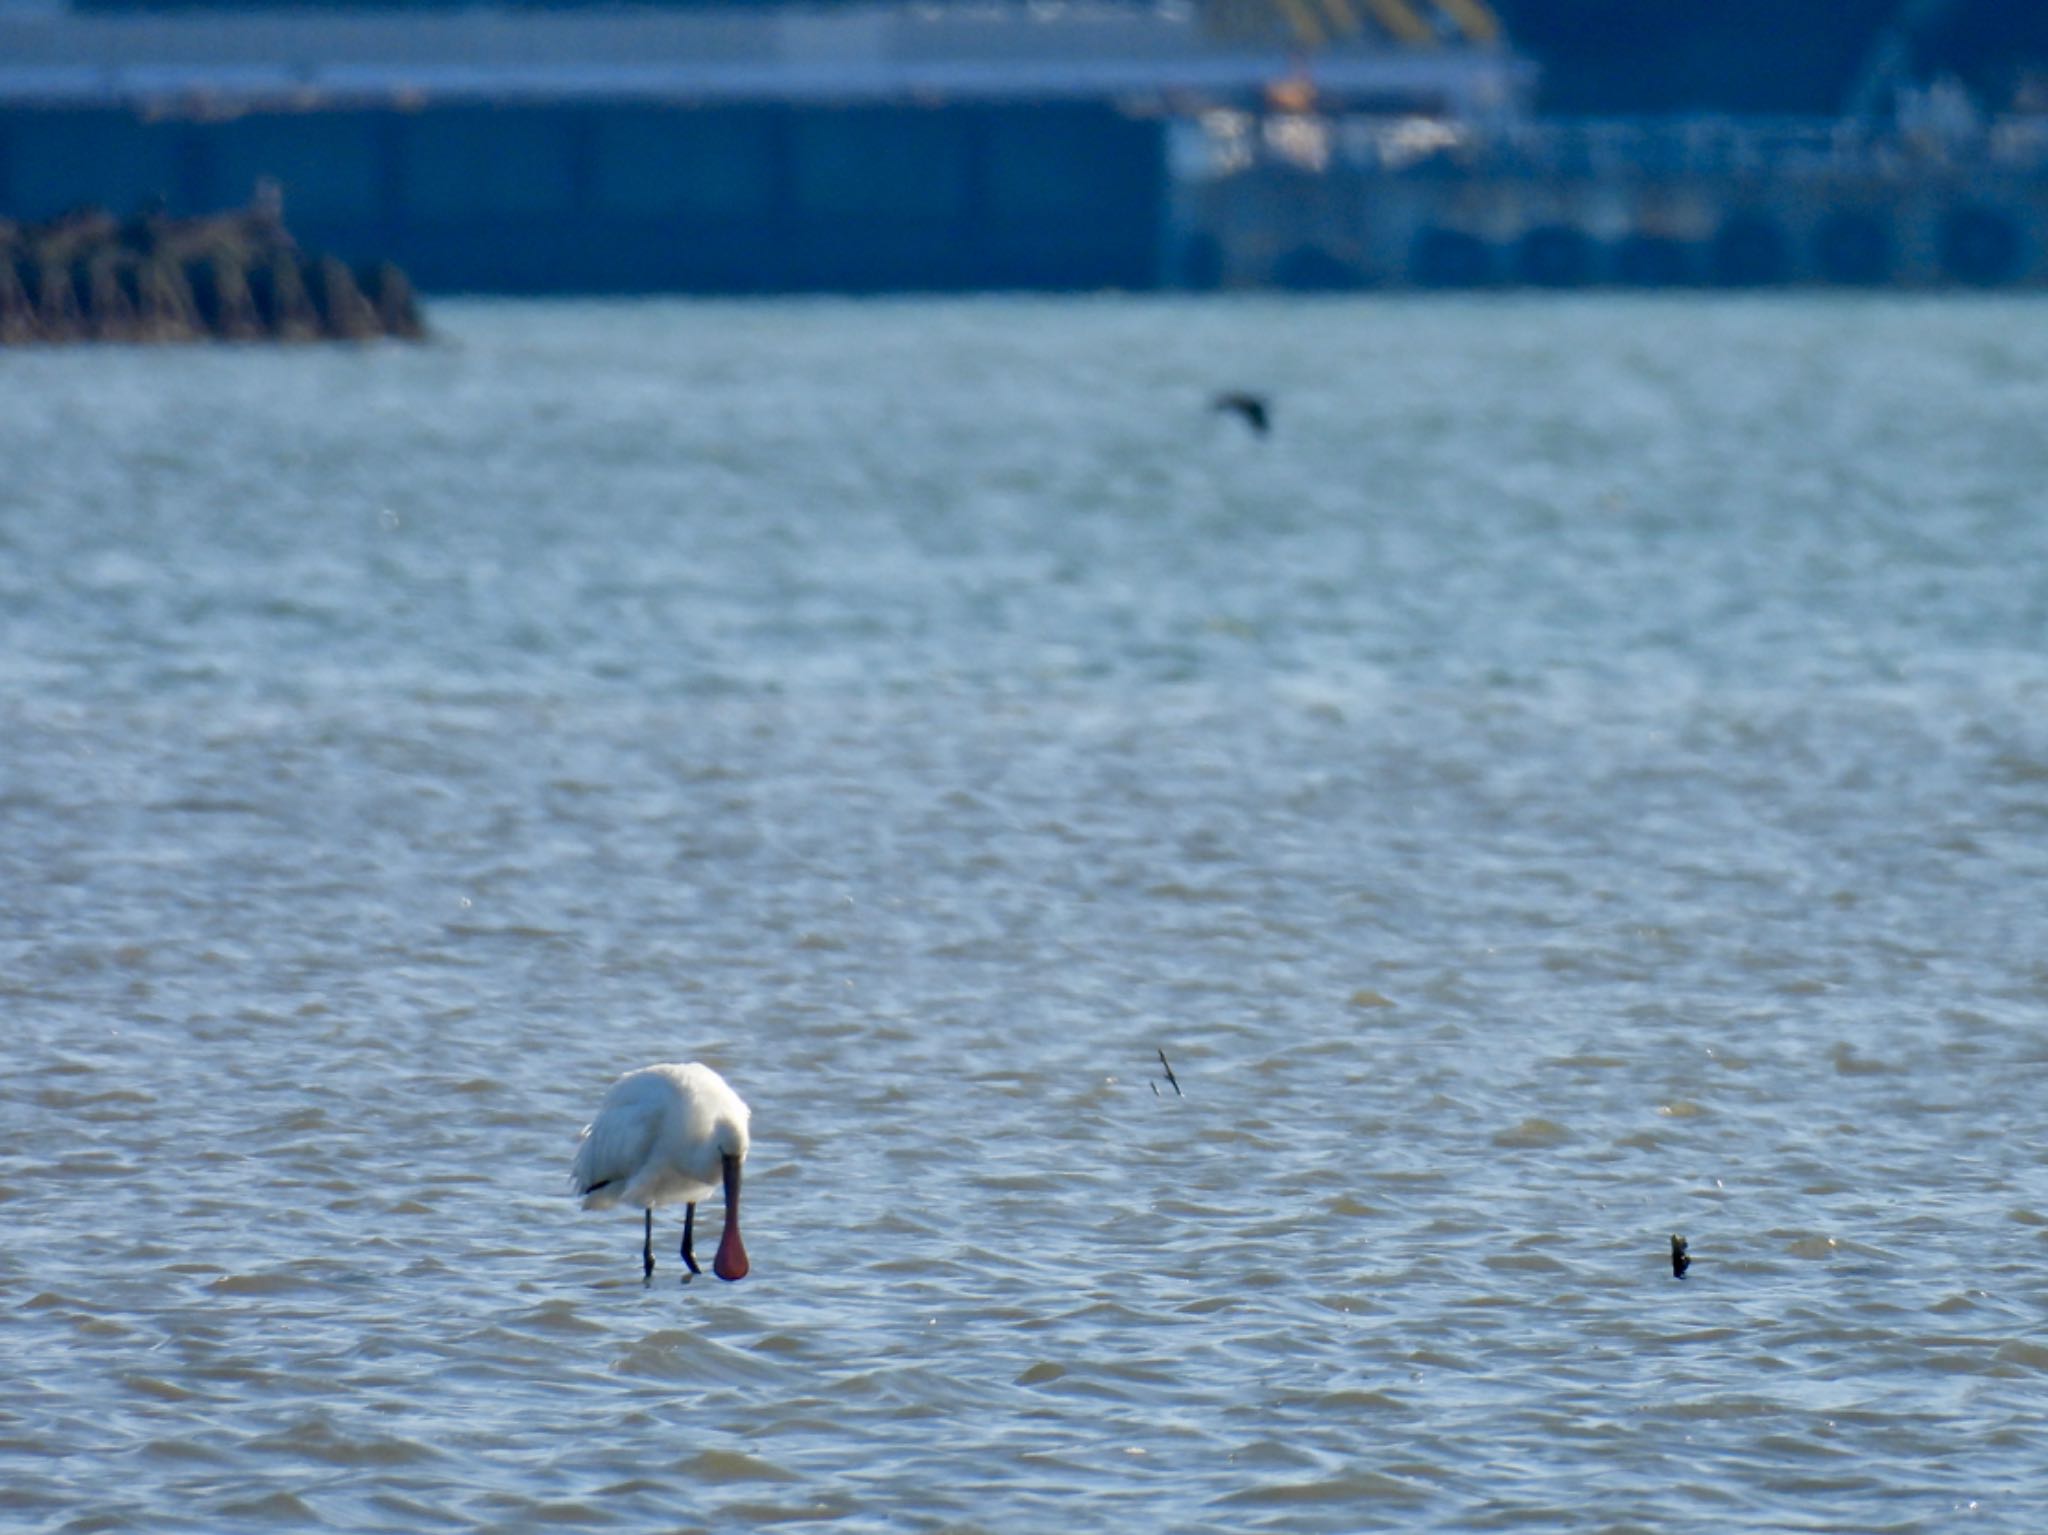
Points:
(1579, 780)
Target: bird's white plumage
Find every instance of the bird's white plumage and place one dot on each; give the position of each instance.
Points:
(660, 1137)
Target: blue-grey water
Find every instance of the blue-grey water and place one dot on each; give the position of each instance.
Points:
(1583, 778)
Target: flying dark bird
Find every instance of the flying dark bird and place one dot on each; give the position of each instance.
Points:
(1250, 406)
(1679, 1261)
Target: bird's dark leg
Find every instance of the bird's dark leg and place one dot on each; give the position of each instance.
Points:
(689, 1221)
(647, 1246)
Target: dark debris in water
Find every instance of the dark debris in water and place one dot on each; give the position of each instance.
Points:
(236, 276)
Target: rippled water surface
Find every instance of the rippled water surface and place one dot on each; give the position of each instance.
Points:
(1583, 778)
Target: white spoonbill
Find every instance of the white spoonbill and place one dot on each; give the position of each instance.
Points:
(667, 1133)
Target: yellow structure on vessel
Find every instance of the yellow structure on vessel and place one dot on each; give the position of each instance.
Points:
(1313, 24)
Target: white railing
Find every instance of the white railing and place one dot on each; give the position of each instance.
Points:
(1224, 143)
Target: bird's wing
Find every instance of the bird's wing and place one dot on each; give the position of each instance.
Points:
(613, 1147)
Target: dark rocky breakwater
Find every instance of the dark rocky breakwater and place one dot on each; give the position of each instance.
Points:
(90, 276)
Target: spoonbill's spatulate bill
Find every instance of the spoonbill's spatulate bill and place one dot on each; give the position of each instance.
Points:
(667, 1134)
